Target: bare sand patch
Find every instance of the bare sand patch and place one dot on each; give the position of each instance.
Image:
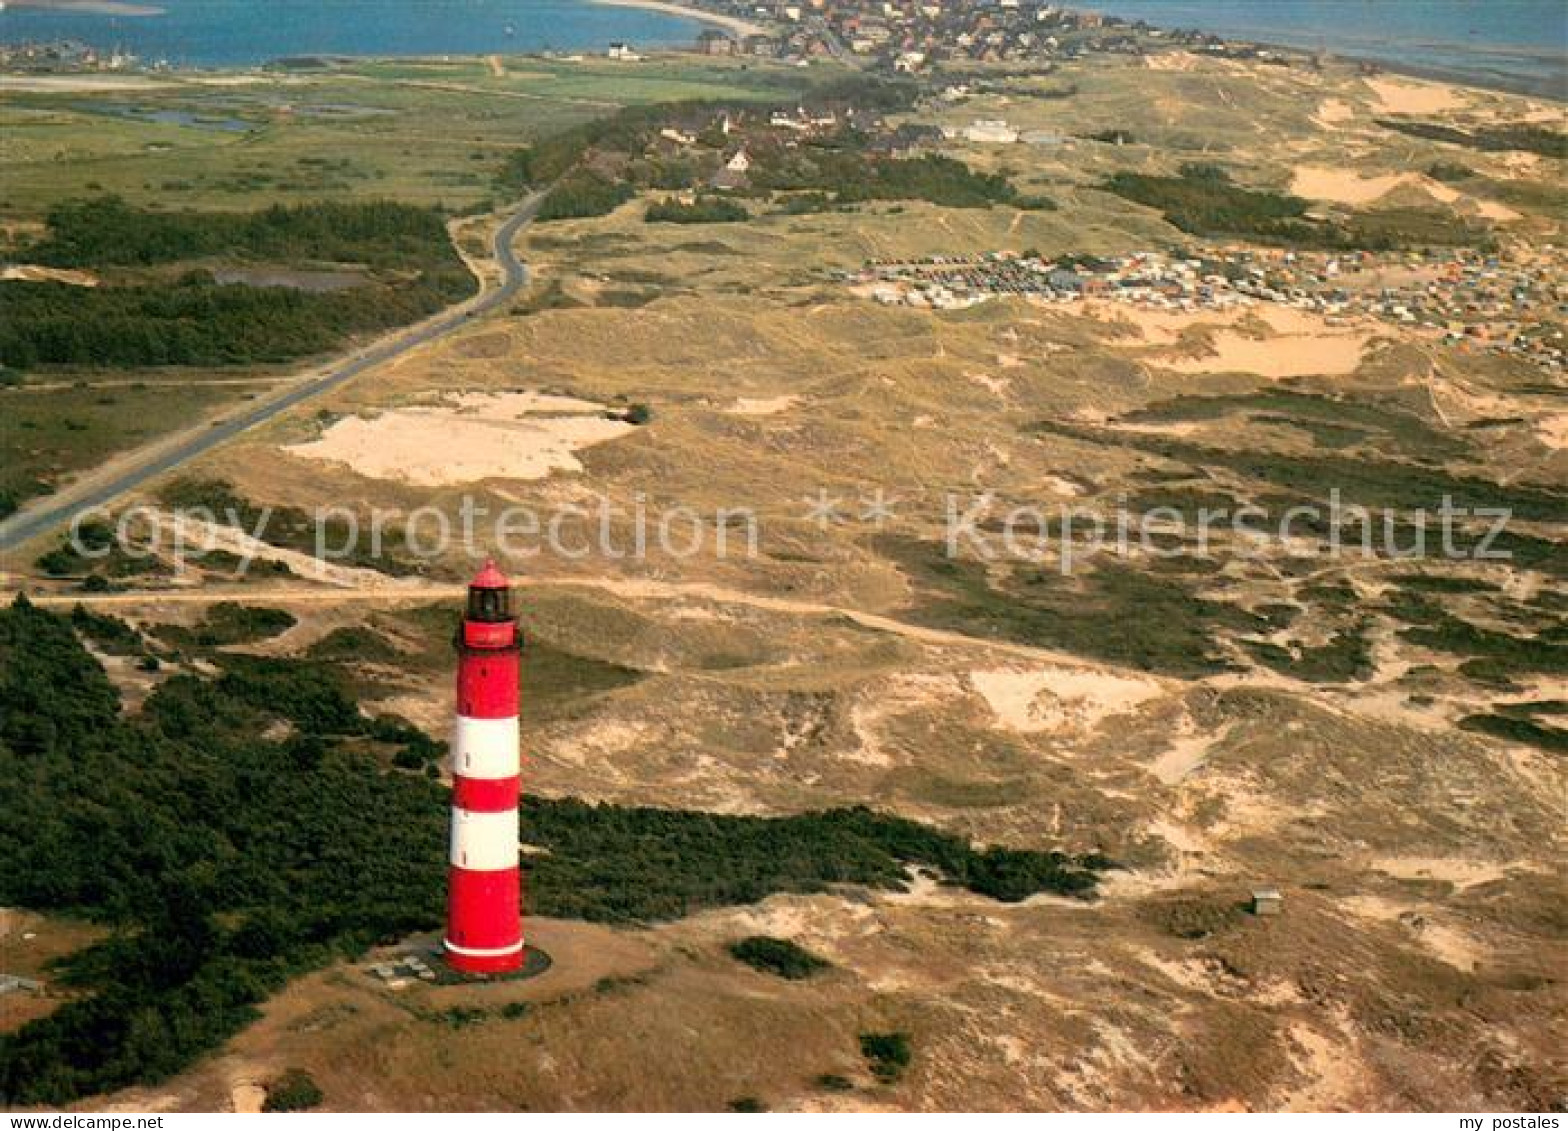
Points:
(1411, 96)
(247, 1098)
(31, 273)
(1553, 430)
(468, 437)
(79, 84)
(996, 386)
(1460, 873)
(1298, 343)
(1286, 355)
(1171, 61)
(762, 406)
(1497, 213)
(1047, 699)
(1186, 753)
(1344, 186)
(1332, 112)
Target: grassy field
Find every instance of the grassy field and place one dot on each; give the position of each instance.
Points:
(51, 432)
(419, 132)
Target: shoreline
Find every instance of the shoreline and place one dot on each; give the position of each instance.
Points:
(1492, 82)
(116, 8)
(1553, 88)
(734, 24)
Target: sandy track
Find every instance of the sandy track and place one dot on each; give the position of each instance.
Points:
(633, 588)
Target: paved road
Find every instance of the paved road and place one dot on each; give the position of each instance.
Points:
(42, 515)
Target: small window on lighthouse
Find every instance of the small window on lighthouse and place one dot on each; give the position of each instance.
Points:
(489, 606)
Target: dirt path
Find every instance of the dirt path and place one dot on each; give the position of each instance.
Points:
(633, 588)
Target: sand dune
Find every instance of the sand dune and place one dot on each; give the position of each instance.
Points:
(467, 438)
(1409, 96)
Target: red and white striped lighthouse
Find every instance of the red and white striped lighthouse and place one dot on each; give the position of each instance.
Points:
(484, 923)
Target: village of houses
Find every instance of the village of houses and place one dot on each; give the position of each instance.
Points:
(1469, 298)
(915, 35)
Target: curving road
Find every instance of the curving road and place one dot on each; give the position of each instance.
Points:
(131, 471)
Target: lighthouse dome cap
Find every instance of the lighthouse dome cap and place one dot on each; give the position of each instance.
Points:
(489, 577)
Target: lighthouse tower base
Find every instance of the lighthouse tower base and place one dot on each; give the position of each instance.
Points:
(531, 962)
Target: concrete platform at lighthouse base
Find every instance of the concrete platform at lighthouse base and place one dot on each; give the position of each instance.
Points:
(535, 962)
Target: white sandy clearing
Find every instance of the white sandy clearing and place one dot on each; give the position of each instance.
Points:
(996, 386)
(1047, 699)
(1344, 186)
(79, 84)
(1460, 873)
(468, 438)
(1408, 96)
(1186, 753)
(29, 273)
(247, 1098)
(1301, 343)
(1542, 114)
(735, 25)
(1497, 213)
(1057, 485)
(1171, 61)
(244, 80)
(1553, 430)
(1296, 355)
(762, 406)
(1332, 112)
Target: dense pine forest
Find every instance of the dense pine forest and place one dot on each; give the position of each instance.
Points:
(161, 303)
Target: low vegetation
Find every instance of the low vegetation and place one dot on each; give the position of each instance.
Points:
(1347, 657)
(781, 957)
(887, 1054)
(1115, 613)
(289, 528)
(228, 622)
(703, 210)
(295, 1090)
(1203, 201)
(581, 193)
(1524, 137)
(1395, 484)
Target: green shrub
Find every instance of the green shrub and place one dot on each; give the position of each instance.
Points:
(582, 193)
(293, 1091)
(778, 956)
(887, 1054)
(703, 210)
